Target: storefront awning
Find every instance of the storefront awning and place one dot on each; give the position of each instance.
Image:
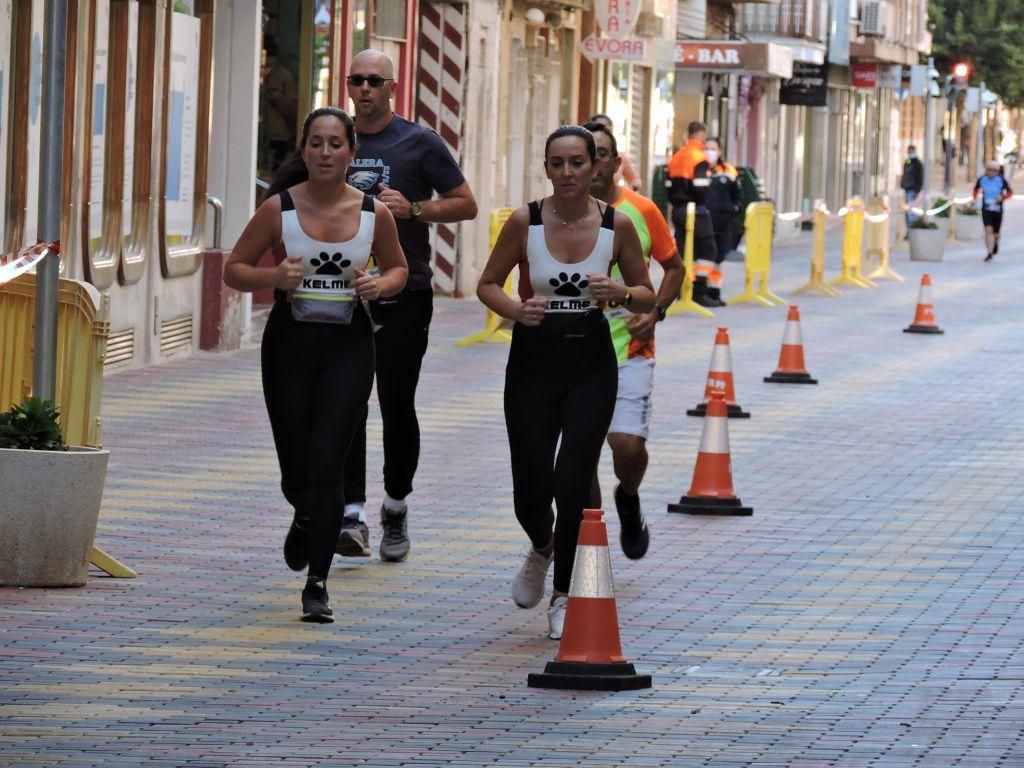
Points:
(763, 59)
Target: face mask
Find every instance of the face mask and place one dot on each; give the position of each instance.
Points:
(711, 155)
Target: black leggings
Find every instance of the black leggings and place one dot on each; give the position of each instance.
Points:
(561, 381)
(401, 343)
(317, 378)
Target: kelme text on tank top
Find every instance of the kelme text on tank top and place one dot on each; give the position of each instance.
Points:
(565, 286)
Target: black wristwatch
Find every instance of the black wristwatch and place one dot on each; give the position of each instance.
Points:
(661, 312)
(415, 210)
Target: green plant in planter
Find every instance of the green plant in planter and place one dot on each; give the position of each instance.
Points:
(923, 223)
(32, 426)
(940, 202)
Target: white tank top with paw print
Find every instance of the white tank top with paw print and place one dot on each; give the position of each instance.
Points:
(565, 285)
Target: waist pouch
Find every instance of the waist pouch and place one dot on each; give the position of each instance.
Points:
(335, 307)
(578, 326)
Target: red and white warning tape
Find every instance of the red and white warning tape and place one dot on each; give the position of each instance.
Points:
(14, 263)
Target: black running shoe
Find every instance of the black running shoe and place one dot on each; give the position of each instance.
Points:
(989, 257)
(394, 541)
(315, 607)
(634, 536)
(354, 539)
(995, 248)
(295, 542)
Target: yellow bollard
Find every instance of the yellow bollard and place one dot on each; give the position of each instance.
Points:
(685, 302)
(817, 281)
(760, 221)
(496, 328)
(877, 233)
(853, 243)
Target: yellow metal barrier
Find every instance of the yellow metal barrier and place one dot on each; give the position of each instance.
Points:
(685, 302)
(760, 222)
(853, 243)
(496, 327)
(817, 281)
(82, 330)
(877, 235)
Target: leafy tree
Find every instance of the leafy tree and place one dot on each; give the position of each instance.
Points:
(988, 35)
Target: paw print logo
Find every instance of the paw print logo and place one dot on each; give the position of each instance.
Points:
(569, 285)
(329, 265)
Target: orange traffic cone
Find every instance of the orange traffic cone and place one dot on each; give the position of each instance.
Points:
(924, 318)
(720, 378)
(590, 656)
(791, 368)
(711, 492)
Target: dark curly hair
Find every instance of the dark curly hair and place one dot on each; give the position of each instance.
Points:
(293, 170)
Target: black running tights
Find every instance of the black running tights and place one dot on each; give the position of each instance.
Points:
(560, 382)
(317, 379)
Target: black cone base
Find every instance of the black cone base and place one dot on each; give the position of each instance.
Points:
(923, 329)
(700, 505)
(782, 377)
(576, 676)
(733, 411)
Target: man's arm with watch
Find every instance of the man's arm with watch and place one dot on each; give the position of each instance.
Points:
(642, 326)
(454, 205)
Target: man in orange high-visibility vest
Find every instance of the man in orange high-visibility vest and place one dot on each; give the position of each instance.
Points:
(689, 178)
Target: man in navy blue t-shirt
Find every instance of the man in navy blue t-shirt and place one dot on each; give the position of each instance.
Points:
(403, 165)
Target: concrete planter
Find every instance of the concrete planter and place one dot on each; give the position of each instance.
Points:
(969, 227)
(943, 223)
(927, 244)
(49, 506)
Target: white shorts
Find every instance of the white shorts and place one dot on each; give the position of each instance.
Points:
(633, 404)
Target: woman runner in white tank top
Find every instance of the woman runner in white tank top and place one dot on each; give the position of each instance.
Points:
(317, 352)
(561, 378)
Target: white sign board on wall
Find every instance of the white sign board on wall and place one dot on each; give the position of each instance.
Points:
(98, 124)
(182, 114)
(127, 192)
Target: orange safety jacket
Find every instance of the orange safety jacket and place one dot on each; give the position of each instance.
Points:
(689, 174)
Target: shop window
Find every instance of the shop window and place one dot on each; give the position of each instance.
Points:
(389, 19)
(186, 112)
(360, 25)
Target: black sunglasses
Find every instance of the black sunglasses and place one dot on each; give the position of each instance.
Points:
(375, 81)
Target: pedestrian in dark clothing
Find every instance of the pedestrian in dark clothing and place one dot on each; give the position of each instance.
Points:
(723, 198)
(912, 181)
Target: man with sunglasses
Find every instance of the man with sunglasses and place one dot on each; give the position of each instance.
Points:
(402, 164)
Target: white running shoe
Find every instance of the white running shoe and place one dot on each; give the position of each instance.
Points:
(556, 617)
(528, 586)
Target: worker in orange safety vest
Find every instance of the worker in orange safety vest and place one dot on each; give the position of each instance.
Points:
(689, 180)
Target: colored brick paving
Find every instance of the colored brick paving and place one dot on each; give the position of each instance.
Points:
(868, 614)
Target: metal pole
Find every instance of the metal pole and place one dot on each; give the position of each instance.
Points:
(44, 359)
(979, 144)
(929, 129)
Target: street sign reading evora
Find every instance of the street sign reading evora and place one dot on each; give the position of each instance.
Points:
(594, 47)
(617, 17)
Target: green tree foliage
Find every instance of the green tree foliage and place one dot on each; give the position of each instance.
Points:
(988, 35)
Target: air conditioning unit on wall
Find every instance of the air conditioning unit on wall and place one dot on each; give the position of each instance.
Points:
(874, 18)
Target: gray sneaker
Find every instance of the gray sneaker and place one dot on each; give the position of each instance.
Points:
(528, 585)
(354, 539)
(394, 540)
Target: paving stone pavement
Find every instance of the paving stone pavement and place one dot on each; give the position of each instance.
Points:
(869, 613)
